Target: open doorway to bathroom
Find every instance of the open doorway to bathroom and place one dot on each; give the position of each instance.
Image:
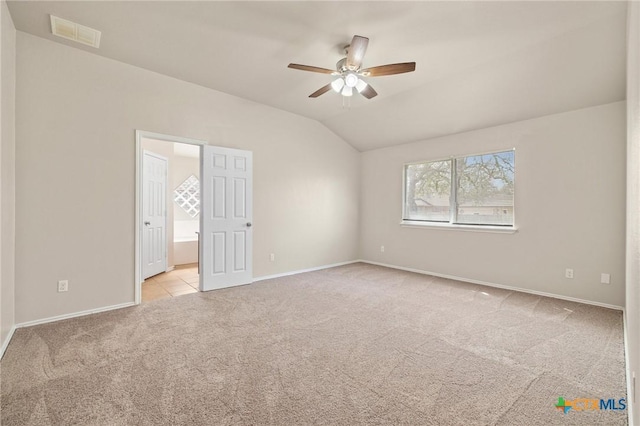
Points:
(169, 215)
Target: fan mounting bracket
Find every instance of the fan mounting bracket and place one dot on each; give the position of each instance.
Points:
(342, 67)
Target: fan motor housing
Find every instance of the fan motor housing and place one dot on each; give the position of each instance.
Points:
(341, 65)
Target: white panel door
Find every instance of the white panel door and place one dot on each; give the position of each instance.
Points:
(154, 214)
(226, 210)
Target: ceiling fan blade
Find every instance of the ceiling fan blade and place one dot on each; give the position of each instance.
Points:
(310, 68)
(357, 49)
(321, 91)
(369, 92)
(389, 69)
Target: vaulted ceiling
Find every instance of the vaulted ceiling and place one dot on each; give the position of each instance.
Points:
(478, 63)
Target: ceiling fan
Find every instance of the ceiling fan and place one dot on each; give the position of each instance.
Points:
(349, 70)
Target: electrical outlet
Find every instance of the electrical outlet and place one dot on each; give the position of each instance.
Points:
(381, 249)
(568, 273)
(272, 257)
(605, 278)
(63, 285)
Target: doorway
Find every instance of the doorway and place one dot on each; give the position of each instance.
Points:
(167, 216)
(208, 211)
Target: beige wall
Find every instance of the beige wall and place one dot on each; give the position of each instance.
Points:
(569, 207)
(76, 117)
(7, 168)
(632, 311)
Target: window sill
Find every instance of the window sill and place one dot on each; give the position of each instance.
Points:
(458, 227)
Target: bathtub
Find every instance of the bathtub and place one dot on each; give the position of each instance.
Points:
(185, 242)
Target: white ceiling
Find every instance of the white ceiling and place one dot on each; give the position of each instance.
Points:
(186, 150)
(478, 63)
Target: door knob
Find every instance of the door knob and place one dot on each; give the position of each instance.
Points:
(147, 223)
(248, 224)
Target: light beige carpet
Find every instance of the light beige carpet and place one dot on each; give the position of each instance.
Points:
(357, 344)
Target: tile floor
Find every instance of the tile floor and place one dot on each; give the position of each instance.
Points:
(182, 280)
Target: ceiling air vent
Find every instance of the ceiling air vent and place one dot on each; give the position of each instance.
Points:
(76, 32)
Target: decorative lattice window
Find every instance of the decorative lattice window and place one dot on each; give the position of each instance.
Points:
(187, 196)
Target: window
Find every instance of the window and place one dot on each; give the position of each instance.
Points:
(187, 196)
(472, 190)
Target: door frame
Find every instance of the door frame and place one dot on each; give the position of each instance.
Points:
(140, 134)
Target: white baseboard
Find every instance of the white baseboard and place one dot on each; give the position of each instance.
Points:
(7, 340)
(129, 304)
(505, 287)
(301, 271)
(74, 315)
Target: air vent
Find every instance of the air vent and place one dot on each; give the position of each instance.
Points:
(76, 32)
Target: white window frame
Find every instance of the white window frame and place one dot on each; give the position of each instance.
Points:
(453, 201)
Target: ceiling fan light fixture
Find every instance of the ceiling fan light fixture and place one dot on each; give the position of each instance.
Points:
(337, 84)
(348, 71)
(361, 85)
(351, 80)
